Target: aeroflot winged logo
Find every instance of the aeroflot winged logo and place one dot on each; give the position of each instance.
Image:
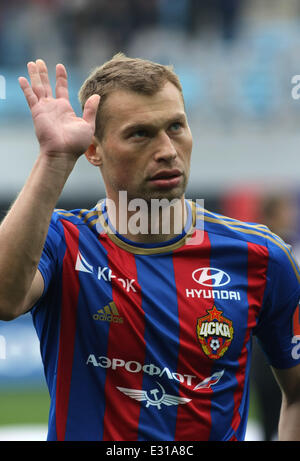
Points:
(158, 397)
(211, 277)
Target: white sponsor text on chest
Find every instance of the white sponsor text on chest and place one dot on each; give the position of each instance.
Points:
(211, 278)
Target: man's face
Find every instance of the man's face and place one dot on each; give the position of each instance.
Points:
(146, 146)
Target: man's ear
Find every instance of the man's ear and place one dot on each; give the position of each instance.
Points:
(95, 152)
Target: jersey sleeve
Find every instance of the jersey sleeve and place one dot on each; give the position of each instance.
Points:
(51, 252)
(276, 326)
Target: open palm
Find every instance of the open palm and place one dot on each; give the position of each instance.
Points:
(58, 129)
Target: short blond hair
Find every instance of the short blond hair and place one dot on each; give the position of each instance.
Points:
(129, 74)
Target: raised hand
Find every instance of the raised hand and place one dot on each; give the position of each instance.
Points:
(58, 129)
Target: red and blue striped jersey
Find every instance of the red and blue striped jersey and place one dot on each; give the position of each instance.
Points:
(153, 342)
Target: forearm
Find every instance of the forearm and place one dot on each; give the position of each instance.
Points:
(289, 423)
(24, 230)
(63, 138)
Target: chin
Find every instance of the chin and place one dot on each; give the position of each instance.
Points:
(148, 194)
(164, 195)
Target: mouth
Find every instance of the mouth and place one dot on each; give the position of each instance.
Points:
(166, 178)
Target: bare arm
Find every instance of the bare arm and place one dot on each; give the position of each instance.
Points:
(63, 137)
(289, 423)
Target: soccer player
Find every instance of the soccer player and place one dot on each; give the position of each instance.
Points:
(145, 330)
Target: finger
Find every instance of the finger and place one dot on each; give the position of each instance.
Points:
(61, 89)
(90, 109)
(36, 82)
(43, 71)
(30, 96)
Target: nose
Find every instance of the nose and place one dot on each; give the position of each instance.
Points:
(165, 149)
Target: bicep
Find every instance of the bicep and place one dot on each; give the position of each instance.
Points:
(46, 269)
(35, 292)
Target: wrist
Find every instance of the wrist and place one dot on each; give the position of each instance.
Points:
(59, 163)
(48, 177)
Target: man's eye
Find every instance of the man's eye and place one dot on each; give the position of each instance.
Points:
(175, 126)
(139, 134)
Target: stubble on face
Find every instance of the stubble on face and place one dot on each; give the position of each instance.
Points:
(145, 152)
(131, 160)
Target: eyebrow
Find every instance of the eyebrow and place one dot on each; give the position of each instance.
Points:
(148, 125)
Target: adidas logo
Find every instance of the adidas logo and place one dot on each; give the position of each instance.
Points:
(108, 313)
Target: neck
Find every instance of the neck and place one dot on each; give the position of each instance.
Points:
(141, 221)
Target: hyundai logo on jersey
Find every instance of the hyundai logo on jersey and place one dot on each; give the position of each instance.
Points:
(211, 277)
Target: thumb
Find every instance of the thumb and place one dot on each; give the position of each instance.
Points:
(90, 109)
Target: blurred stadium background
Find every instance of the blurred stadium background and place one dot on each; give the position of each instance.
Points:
(236, 60)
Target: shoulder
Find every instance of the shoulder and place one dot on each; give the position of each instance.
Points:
(76, 217)
(239, 230)
(257, 236)
(234, 228)
(71, 222)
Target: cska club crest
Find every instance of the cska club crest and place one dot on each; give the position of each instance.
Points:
(215, 333)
